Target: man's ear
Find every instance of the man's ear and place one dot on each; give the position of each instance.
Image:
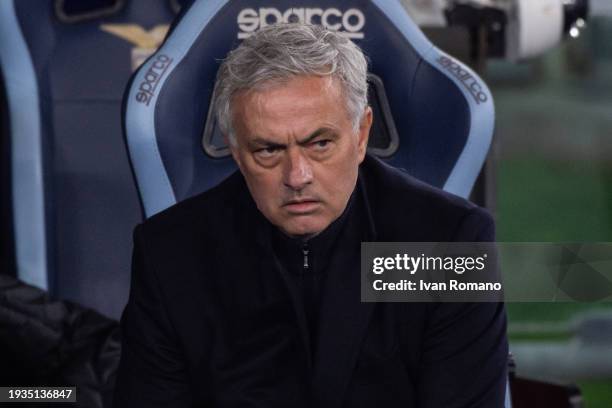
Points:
(364, 132)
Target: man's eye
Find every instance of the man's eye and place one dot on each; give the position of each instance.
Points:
(267, 152)
(321, 144)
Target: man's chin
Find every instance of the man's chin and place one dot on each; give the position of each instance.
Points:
(303, 227)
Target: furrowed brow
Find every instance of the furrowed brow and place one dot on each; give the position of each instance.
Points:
(321, 131)
(262, 142)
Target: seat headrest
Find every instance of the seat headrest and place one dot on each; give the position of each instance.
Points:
(442, 111)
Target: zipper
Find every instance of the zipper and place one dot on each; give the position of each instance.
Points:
(305, 251)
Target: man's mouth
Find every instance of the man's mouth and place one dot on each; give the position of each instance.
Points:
(303, 206)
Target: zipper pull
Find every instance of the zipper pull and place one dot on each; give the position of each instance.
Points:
(305, 251)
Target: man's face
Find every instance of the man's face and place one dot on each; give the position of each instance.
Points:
(298, 152)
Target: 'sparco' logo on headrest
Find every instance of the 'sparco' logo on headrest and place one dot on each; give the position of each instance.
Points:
(468, 80)
(350, 23)
(157, 69)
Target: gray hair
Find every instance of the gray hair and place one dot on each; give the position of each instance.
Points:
(282, 51)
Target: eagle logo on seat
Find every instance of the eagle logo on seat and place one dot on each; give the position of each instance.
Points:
(145, 42)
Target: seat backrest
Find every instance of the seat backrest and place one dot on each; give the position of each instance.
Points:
(65, 65)
(433, 115)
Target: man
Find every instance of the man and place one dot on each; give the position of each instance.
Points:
(249, 294)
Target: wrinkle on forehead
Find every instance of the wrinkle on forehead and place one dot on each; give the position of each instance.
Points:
(277, 105)
(265, 97)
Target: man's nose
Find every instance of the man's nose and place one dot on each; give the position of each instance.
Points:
(298, 172)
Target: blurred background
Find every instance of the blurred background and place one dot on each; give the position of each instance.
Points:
(553, 154)
(550, 180)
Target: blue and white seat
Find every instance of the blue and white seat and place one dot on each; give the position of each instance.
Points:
(433, 115)
(69, 198)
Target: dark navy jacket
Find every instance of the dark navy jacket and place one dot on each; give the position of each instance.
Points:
(212, 320)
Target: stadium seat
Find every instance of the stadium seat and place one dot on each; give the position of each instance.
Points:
(72, 200)
(433, 116)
